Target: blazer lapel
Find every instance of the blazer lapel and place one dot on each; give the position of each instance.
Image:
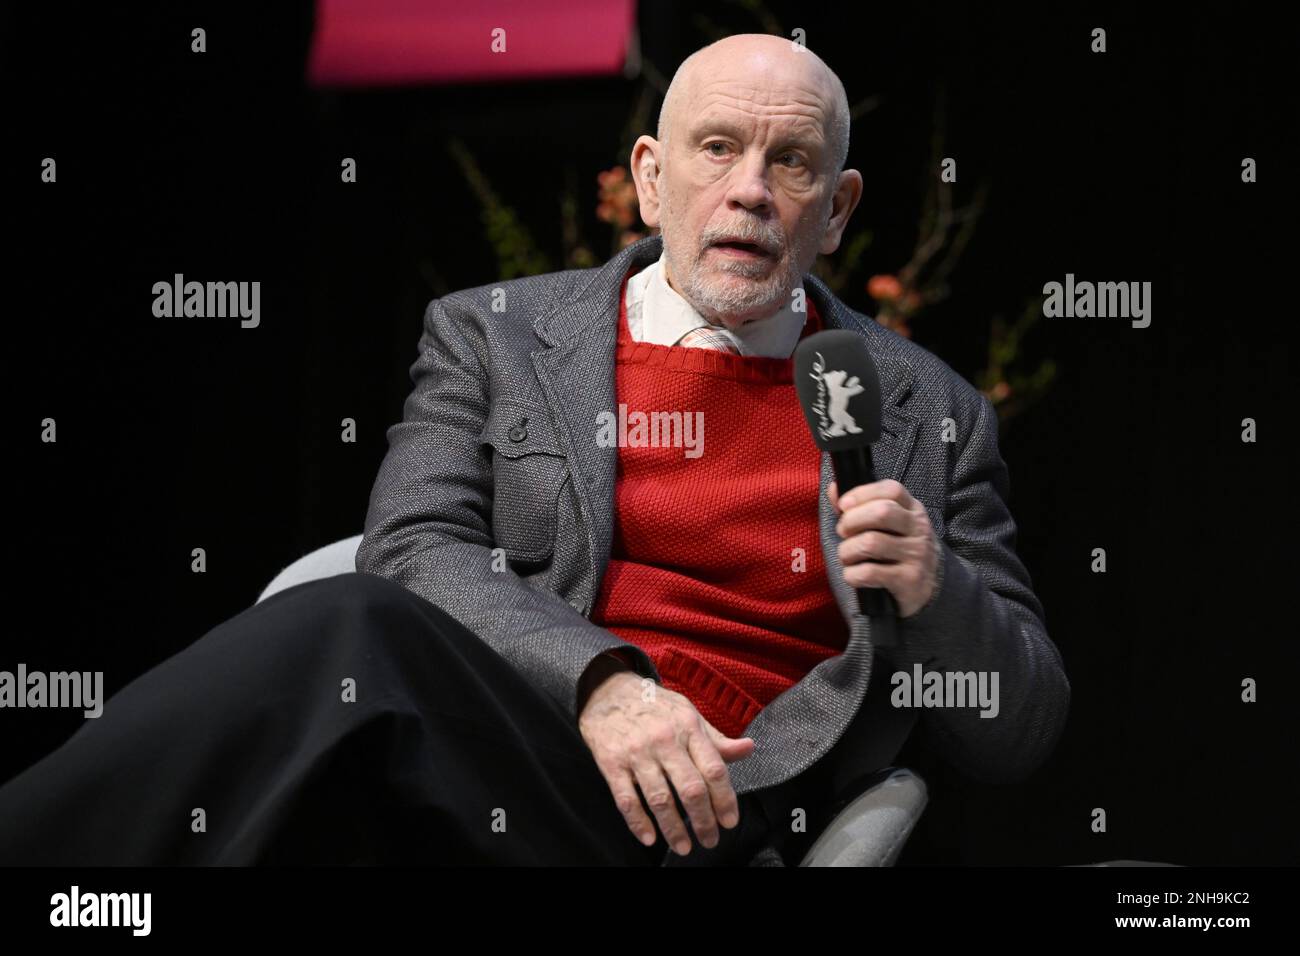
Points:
(576, 369)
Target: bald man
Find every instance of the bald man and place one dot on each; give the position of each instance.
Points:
(752, 141)
(565, 643)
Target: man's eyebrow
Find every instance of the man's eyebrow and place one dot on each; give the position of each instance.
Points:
(800, 136)
(705, 125)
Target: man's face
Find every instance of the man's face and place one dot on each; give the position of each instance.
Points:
(745, 193)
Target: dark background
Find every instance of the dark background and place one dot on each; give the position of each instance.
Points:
(1122, 167)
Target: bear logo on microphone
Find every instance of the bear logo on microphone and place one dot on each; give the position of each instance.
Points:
(841, 422)
(841, 392)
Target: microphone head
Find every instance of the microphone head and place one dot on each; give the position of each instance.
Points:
(838, 388)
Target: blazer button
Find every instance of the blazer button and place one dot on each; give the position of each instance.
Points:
(518, 433)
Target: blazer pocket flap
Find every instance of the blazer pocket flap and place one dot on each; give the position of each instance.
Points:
(515, 429)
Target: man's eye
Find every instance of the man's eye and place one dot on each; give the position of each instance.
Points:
(792, 156)
(711, 145)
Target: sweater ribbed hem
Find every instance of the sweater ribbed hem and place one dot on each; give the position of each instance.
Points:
(707, 684)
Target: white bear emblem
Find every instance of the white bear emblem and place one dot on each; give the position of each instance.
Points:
(841, 391)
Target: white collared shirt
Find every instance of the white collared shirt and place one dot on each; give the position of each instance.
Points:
(657, 313)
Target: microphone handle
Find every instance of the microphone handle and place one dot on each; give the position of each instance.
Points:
(853, 467)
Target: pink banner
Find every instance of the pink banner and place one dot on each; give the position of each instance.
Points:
(394, 42)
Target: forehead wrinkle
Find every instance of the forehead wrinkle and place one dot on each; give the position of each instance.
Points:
(804, 117)
(766, 68)
(761, 98)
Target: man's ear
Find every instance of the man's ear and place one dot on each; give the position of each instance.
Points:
(848, 191)
(645, 175)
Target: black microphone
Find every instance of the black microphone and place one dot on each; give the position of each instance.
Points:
(839, 391)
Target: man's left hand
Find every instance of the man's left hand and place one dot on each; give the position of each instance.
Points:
(888, 542)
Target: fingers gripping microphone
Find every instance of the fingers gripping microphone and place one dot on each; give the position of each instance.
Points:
(840, 394)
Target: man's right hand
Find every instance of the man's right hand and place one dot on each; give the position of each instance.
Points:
(643, 733)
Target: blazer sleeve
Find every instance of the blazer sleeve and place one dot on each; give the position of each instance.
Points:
(428, 524)
(984, 616)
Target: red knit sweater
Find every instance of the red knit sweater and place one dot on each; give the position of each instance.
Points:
(703, 573)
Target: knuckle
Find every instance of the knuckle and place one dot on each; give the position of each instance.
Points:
(715, 772)
(606, 754)
(659, 800)
(693, 792)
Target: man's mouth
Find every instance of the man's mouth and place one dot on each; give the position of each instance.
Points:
(735, 247)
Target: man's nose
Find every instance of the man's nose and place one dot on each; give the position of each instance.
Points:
(749, 186)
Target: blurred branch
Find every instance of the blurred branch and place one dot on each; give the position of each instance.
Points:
(516, 251)
(837, 272)
(944, 231)
(1010, 389)
(577, 255)
(942, 236)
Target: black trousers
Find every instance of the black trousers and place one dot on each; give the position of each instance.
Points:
(246, 748)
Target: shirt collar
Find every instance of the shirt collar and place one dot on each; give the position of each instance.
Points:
(665, 316)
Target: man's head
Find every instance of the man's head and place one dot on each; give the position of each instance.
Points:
(752, 139)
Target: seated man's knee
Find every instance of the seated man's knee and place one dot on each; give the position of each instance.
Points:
(364, 610)
(381, 608)
(362, 594)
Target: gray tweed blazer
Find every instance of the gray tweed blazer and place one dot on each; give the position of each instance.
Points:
(497, 449)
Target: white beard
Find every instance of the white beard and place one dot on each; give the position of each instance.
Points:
(715, 298)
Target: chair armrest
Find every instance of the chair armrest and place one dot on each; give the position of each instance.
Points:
(872, 828)
(336, 558)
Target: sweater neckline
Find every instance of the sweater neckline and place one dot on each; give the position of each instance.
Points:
(764, 369)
